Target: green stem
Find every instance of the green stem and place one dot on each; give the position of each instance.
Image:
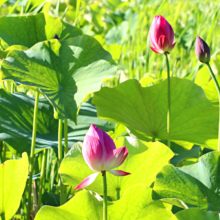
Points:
(2, 192)
(34, 131)
(153, 139)
(60, 157)
(24, 205)
(7, 86)
(1, 150)
(218, 90)
(66, 135)
(65, 151)
(42, 176)
(12, 87)
(4, 153)
(104, 195)
(168, 99)
(118, 193)
(3, 216)
(60, 136)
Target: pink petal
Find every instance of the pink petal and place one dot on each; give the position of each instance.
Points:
(156, 50)
(153, 39)
(87, 181)
(172, 36)
(107, 142)
(115, 158)
(202, 50)
(172, 46)
(161, 27)
(119, 172)
(162, 42)
(92, 151)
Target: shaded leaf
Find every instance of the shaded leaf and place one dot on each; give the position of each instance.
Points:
(182, 152)
(192, 214)
(16, 123)
(50, 199)
(29, 30)
(65, 71)
(195, 185)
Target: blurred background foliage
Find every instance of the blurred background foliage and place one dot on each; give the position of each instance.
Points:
(122, 28)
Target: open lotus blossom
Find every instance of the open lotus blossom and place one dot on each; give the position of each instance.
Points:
(100, 154)
(202, 50)
(161, 35)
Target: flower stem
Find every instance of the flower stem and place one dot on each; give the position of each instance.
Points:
(104, 195)
(60, 134)
(3, 216)
(218, 90)
(65, 151)
(34, 131)
(168, 99)
(1, 150)
(153, 139)
(118, 193)
(60, 157)
(66, 136)
(42, 176)
(4, 153)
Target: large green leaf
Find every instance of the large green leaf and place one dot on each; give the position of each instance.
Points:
(196, 185)
(29, 30)
(211, 92)
(143, 162)
(135, 204)
(13, 175)
(144, 110)
(85, 205)
(192, 214)
(65, 71)
(16, 123)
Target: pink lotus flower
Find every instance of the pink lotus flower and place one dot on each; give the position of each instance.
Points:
(161, 35)
(100, 154)
(202, 50)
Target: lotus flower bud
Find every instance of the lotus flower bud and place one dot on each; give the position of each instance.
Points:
(100, 154)
(161, 35)
(202, 50)
(56, 37)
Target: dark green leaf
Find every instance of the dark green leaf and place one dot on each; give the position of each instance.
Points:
(65, 71)
(50, 199)
(29, 30)
(192, 214)
(16, 123)
(196, 185)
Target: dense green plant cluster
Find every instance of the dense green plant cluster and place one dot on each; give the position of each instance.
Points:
(68, 64)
